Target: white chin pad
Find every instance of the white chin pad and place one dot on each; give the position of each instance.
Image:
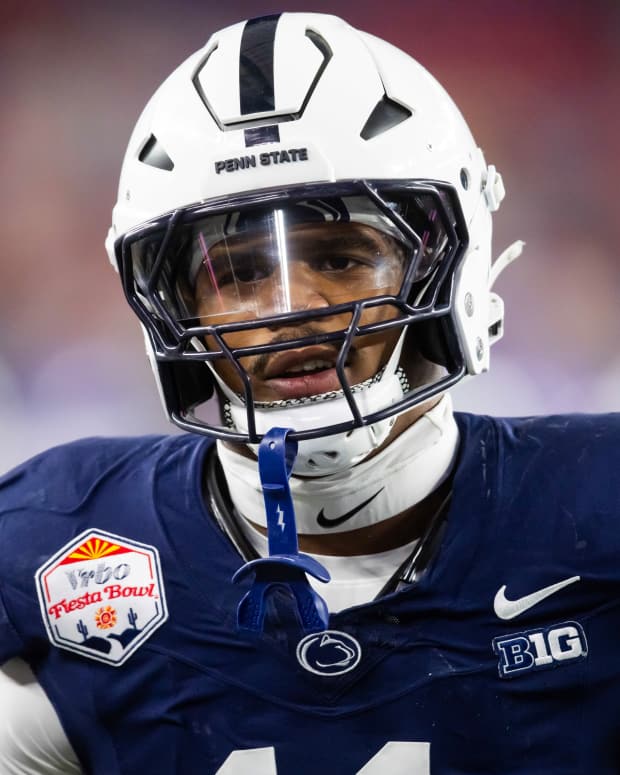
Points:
(328, 454)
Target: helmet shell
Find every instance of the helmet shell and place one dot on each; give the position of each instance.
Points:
(302, 98)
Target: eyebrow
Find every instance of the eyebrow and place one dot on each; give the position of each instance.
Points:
(359, 241)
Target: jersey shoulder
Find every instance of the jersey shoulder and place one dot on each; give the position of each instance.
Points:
(583, 443)
(554, 478)
(571, 450)
(63, 478)
(114, 485)
(571, 428)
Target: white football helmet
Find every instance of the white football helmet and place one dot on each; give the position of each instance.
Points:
(284, 140)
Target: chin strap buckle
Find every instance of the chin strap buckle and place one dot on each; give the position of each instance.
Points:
(285, 566)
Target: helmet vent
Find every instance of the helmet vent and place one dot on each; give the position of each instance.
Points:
(256, 87)
(386, 114)
(154, 155)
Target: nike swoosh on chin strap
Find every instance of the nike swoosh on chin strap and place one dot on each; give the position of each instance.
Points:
(328, 522)
(508, 609)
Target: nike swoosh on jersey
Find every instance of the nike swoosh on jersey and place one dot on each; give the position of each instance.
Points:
(508, 609)
(335, 521)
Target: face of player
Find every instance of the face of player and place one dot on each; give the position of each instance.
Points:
(314, 267)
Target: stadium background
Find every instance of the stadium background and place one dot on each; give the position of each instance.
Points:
(536, 80)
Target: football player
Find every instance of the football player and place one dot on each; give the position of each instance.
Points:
(331, 572)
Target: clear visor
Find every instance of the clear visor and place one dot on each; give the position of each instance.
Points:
(261, 261)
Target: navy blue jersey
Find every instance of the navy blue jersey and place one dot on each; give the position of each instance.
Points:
(115, 586)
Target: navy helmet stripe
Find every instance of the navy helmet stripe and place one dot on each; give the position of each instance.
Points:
(256, 88)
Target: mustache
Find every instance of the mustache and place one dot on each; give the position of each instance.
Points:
(304, 331)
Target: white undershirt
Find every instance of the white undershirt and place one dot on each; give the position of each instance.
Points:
(410, 467)
(354, 580)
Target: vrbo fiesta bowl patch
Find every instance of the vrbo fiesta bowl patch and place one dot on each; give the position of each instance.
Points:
(102, 596)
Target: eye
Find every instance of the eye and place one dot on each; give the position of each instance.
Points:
(336, 263)
(245, 269)
(251, 273)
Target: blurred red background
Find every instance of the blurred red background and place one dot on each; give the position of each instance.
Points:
(537, 82)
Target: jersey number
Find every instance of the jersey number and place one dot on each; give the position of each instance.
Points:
(395, 758)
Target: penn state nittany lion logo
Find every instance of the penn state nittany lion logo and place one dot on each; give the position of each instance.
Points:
(329, 652)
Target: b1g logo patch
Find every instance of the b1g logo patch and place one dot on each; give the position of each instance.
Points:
(102, 596)
(329, 652)
(540, 649)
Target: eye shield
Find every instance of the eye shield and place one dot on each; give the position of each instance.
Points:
(268, 258)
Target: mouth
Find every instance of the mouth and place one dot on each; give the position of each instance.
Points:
(301, 373)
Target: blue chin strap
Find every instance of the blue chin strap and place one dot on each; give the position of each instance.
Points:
(285, 566)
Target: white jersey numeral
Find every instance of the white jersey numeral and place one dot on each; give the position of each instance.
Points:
(252, 761)
(397, 758)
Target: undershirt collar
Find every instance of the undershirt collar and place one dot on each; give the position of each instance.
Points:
(412, 466)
